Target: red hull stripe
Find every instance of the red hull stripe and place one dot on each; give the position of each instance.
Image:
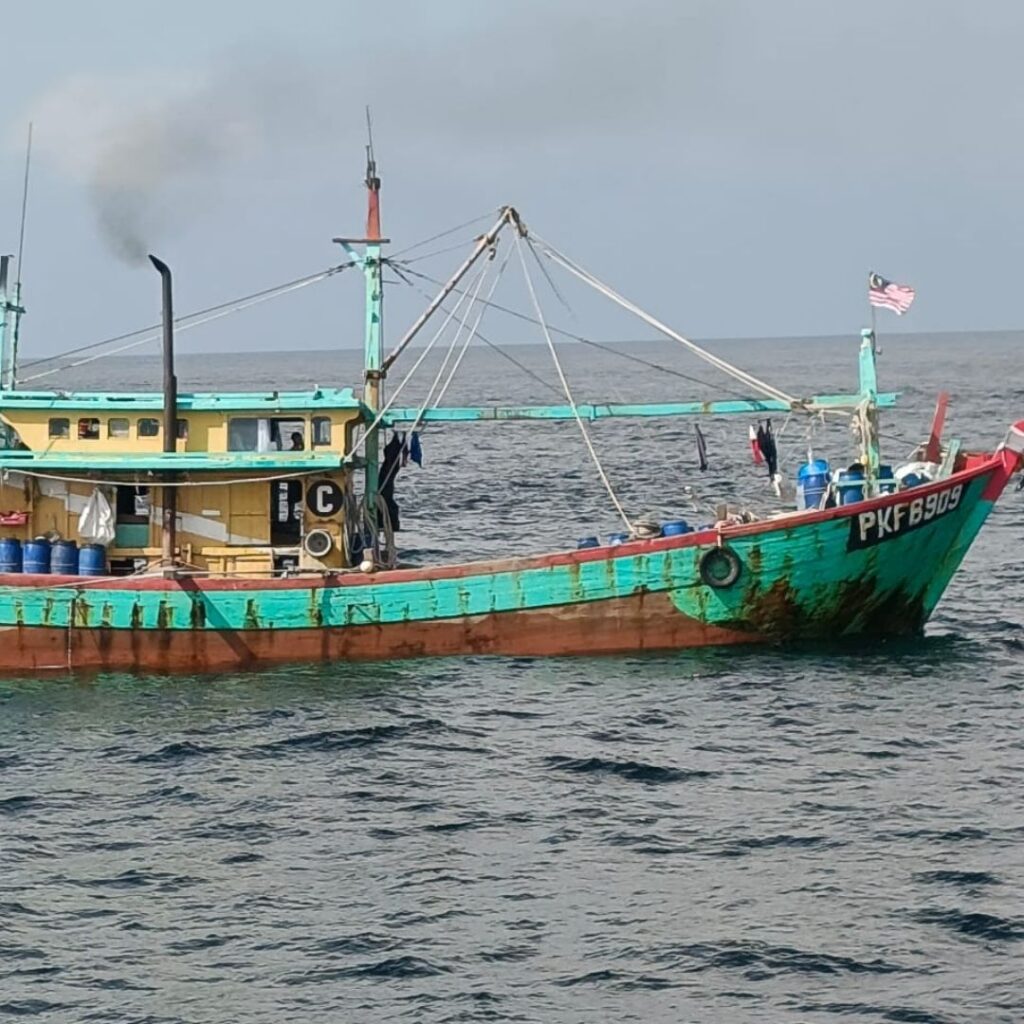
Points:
(619, 625)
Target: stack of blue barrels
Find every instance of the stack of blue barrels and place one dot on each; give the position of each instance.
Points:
(61, 558)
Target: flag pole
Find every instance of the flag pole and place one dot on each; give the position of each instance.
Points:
(871, 309)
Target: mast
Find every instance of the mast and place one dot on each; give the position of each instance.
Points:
(869, 418)
(374, 372)
(5, 309)
(169, 496)
(9, 363)
(373, 349)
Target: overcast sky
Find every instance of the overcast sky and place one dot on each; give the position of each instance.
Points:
(736, 166)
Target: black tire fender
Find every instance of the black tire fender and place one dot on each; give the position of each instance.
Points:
(720, 567)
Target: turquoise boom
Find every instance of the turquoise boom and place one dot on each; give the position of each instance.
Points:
(589, 411)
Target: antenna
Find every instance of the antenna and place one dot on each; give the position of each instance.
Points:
(372, 181)
(24, 204)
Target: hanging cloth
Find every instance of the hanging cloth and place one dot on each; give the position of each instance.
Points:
(415, 449)
(390, 464)
(755, 448)
(96, 523)
(766, 442)
(702, 449)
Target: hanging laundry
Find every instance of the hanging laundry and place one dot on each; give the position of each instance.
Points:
(702, 449)
(415, 450)
(755, 448)
(766, 442)
(390, 464)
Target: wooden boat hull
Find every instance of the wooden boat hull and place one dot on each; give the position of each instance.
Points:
(877, 568)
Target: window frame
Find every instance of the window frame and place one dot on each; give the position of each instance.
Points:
(111, 420)
(316, 422)
(89, 428)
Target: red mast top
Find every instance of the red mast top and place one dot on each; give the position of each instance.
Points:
(372, 187)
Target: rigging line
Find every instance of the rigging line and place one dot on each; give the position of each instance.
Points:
(24, 203)
(734, 371)
(381, 415)
(456, 337)
(180, 321)
(451, 348)
(474, 330)
(221, 312)
(594, 344)
(548, 278)
(567, 390)
(490, 344)
(444, 234)
(435, 252)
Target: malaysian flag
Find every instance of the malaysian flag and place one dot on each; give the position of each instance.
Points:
(896, 297)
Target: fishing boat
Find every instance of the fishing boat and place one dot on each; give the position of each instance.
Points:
(168, 531)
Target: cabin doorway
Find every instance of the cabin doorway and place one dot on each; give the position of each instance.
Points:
(285, 513)
(131, 517)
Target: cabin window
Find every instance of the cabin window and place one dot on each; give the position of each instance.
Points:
(60, 427)
(252, 434)
(182, 430)
(149, 427)
(287, 435)
(321, 431)
(118, 426)
(88, 429)
(244, 434)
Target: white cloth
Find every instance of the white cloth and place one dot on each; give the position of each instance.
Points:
(96, 523)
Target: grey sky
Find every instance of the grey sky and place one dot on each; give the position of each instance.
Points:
(736, 166)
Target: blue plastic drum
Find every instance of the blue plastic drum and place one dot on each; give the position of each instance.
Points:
(811, 483)
(850, 484)
(36, 555)
(64, 558)
(675, 528)
(10, 554)
(92, 560)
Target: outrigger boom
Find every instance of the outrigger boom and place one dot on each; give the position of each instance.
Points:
(590, 411)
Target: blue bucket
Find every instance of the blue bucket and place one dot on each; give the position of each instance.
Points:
(92, 560)
(64, 558)
(10, 554)
(886, 480)
(588, 542)
(675, 528)
(811, 483)
(36, 555)
(850, 483)
(617, 538)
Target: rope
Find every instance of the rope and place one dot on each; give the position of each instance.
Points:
(444, 234)
(295, 474)
(606, 347)
(473, 332)
(204, 316)
(568, 392)
(478, 284)
(469, 337)
(497, 348)
(361, 440)
(733, 371)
